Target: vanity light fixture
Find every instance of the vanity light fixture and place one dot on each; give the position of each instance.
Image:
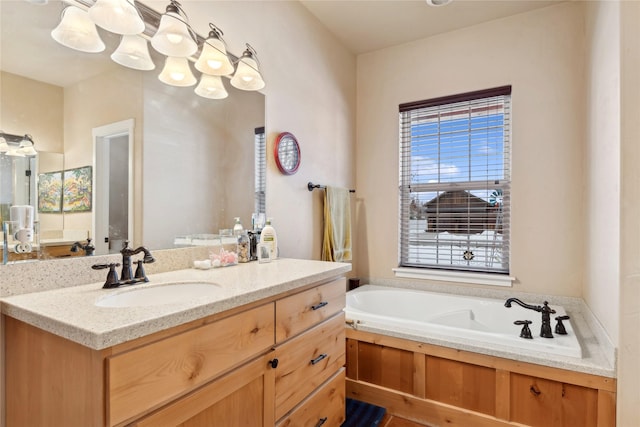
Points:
(77, 31)
(214, 59)
(247, 76)
(176, 72)
(133, 52)
(24, 148)
(211, 87)
(117, 16)
(174, 36)
(438, 2)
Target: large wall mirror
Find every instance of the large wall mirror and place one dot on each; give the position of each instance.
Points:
(162, 162)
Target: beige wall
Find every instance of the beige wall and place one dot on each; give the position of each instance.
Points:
(629, 317)
(31, 107)
(120, 95)
(310, 92)
(541, 55)
(602, 154)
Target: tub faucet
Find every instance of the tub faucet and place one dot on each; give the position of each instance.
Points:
(127, 273)
(545, 329)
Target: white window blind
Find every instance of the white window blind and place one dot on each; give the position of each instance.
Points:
(455, 182)
(260, 175)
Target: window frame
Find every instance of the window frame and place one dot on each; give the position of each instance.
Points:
(455, 272)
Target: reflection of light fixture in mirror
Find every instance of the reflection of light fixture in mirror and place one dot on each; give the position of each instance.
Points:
(174, 37)
(213, 59)
(438, 2)
(26, 146)
(211, 87)
(77, 31)
(133, 52)
(117, 16)
(4, 147)
(176, 72)
(247, 76)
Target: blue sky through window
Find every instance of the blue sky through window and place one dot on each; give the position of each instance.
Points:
(457, 149)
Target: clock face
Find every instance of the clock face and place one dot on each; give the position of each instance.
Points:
(287, 153)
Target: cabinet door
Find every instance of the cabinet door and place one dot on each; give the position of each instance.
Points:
(241, 398)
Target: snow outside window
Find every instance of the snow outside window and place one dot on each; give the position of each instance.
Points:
(455, 182)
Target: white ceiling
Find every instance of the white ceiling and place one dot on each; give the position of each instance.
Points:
(368, 25)
(361, 25)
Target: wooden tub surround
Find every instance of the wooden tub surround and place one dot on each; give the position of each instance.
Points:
(443, 386)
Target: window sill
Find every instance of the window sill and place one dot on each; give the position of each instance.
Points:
(455, 276)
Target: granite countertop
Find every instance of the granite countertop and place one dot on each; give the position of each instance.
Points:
(72, 312)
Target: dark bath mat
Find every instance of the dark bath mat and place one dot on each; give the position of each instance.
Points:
(360, 414)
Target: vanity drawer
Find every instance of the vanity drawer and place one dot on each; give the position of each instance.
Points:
(299, 312)
(325, 407)
(148, 376)
(307, 361)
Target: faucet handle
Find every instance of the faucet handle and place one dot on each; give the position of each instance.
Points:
(140, 274)
(526, 332)
(560, 329)
(112, 275)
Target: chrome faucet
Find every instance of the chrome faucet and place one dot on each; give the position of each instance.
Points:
(545, 329)
(127, 273)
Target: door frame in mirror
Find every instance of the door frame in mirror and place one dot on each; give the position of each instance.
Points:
(100, 211)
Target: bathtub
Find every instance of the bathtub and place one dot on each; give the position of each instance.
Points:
(472, 320)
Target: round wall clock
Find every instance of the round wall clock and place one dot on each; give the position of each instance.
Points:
(287, 153)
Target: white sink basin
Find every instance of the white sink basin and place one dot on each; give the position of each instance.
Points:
(158, 295)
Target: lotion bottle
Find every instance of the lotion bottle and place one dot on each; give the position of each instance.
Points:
(268, 237)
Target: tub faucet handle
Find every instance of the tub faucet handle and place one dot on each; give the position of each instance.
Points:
(525, 332)
(560, 329)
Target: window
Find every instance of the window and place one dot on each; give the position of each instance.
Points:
(454, 182)
(260, 174)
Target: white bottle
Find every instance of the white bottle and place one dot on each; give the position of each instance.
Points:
(237, 227)
(268, 237)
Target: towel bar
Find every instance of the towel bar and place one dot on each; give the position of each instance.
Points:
(311, 186)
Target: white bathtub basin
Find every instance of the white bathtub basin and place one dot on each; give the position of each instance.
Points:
(158, 295)
(473, 320)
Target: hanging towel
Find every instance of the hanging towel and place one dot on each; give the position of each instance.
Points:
(336, 245)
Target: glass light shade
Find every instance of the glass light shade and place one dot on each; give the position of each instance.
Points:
(247, 76)
(117, 16)
(176, 72)
(211, 87)
(77, 31)
(4, 147)
(213, 59)
(26, 148)
(15, 152)
(173, 37)
(133, 52)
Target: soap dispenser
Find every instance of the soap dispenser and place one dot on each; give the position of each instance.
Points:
(269, 238)
(237, 227)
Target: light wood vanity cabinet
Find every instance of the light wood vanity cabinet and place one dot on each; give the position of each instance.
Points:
(197, 374)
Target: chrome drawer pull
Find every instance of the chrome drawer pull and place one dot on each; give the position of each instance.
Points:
(321, 421)
(320, 305)
(319, 358)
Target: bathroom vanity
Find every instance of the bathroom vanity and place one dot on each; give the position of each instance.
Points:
(266, 350)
